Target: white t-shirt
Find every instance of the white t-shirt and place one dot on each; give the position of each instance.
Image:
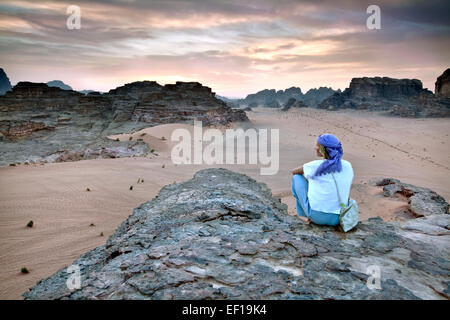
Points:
(322, 193)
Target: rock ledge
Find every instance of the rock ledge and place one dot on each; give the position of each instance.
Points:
(221, 235)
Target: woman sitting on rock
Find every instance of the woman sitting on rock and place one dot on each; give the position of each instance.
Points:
(314, 184)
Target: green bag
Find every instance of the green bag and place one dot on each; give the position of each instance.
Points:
(348, 217)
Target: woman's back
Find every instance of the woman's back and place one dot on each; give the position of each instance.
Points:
(322, 192)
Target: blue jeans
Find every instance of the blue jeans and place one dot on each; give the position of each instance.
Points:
(300, 192)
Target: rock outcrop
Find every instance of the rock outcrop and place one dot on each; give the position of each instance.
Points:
(41, 123)
(442, 85)
(384, 88)
(427, 105)
(421, 201)
(403, 97)
(221, 235)
(293, 103)
(5, 85)
(183, 101)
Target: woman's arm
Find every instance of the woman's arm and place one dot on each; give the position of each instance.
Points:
(298, 170)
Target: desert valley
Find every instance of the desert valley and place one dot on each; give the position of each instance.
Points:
(80, 164)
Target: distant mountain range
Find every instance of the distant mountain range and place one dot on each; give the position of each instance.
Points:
(5, 85)
(403, 97)
(59, 84)
(272, 98)
(63, 86)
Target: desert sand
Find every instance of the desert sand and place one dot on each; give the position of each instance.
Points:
(69, 220)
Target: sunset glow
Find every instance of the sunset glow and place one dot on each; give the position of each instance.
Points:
(234, 47)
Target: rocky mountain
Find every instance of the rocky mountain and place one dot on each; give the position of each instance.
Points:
(404, 97)
(313, 97)
(275, 99)
(442, 85)
(222, 235)
(271, 97)
(5, 85)
(42, 123)
(59, 84)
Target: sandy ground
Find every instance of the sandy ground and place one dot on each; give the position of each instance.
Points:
(68, 220)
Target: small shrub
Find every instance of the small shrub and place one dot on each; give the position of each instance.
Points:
(163, 166)
(24, 270)
(87, 189)
(163, 138)
(153, 150)
(101, 234)
(130, 138)
(12, 164)
(143, 134)
(30, 224)
(131, 187)
(117, 139)
(92, 225)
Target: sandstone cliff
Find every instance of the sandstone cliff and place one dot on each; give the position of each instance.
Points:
(403, 97)
(221, 235)
(442, 85)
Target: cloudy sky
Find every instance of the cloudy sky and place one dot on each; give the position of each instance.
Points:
(234, 47)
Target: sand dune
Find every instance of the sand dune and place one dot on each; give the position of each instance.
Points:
(157, 137)
(54, 195)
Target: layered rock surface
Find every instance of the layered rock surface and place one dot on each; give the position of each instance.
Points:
(403, 97)
(221, 235)
(42, 123)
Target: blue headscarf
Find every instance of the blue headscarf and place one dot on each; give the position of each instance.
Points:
(334, 149)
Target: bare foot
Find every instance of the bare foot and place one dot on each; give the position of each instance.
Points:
(308, 221)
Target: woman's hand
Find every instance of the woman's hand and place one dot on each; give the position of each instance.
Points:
(298, 170)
